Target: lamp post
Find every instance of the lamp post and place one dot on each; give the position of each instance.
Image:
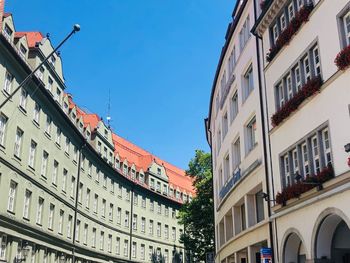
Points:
(76, 28)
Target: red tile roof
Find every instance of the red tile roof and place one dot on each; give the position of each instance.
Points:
(32, 37)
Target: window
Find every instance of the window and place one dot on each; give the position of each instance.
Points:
(102, 240)
(289, 86)
(326, 146)
(219, 140)
(89, 169)
(95, 203)
(150, 252)
(36, 114)
(226, 167)
(39, 213)
(60, 222)
(136, 199)
(3, 121)
(295, 161)
(18, 142)
(72, 187)
(306, 168)
(51, 216)
(85, 234)
(317, 63)
(126, 220)
(55, 172)
(307, 70)
(3, 245)
(280, 94)
(75, 154)
(142, 251)
(119, 215)
(120, 191)
(97, 179)
(158, 187)
(283, 22)
(48, 125)
(287, 169)
(291, 11)
(44, 164)
(234, 106)
(111, 208)
(64, 180)
(93, 239)
(297, 77)
(32, 151)
(67, 145)
(152, 183)
(8, 82)
(58, 136)
(105, 181)
(7, 32)
(125, 169)
(112, 186)
(243, 217)
(23, 99)
(126, 244)
(166, 232)
(143, 202)
(159, 208)
(316, 154)
(26, 205)
(69, 226)
(150, 227)
(12, 196)
(87, 199)
(109, 244)
(151, 208)
(251, 135)
(346, 25)
(80, 193)
(173, 233)
(143, 225)
(248, 83)
(133, 249)
(117, 246)
(166, 213)
(40, 73)
(159, 229)
(244, 34)
(224, 124)
(300, 4)
(50, 83)
(127, 195)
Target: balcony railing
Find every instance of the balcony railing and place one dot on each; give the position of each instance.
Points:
(227, 90)
(230, 184)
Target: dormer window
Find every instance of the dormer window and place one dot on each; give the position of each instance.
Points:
(158, 187)
(133, 174)
(88, 135)
(7, 32)
(106, 133)
(159, 171)
(125, 169)
(22, 51)
(117, 164)
(141, 178)
(152, 183)
(177, 195)
(52, 61)
(74, 116)
(165, 189)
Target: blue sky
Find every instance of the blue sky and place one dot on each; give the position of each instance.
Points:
(157, 57)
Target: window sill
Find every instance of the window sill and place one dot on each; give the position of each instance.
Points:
(66, 154)
(58, 145)
(10, 212)
(6, 94)
(47, 135)
(23, 110)
(251, 150)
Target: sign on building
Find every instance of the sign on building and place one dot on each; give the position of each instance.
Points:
(266, 255)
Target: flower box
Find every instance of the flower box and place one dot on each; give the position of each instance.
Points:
(297, 189)
(286, 35)
(309, 89)
(343, 59)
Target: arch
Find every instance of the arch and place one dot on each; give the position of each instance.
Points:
(293, 247)
(326, 231)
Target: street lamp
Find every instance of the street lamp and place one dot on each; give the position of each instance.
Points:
(76, 28)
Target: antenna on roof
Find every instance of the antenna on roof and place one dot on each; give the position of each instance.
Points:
(109, 109)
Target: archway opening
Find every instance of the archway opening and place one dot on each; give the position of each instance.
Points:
(333, 240)
(294, 250)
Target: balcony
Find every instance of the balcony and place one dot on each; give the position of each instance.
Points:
(230, 184)
(227, 90)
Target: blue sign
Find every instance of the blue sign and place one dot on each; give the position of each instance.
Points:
(266, 255)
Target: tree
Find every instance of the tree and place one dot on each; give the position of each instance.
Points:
(197, 216)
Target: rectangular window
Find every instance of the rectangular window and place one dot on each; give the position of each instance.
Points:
(12, 196)
(225, 124)
(316, 154)
(27, 203)
(346, 23)
(248, 83)
(126, 220)
(287, 170)
(102, 240)
(150, 227)
(251, 135)
(3, 121)
(75, 154)
(39, 213)
(103, 208)
(117, 246)
(60, 222)
(300, 4)
(134, 222)
(226, 168)
(69, 226)
(32, 151)
(85, 234)
(159, 229)
(119, 215)
(297, 77)
(51, 216)
(36, 113)
(173, 233)
(133, 249)
(291, 11)
(259, 203)
(87, 199)
(111, 208)
(236, 153)
(326, 147)
(44, 161)
(150, 252)
(64, 180)
(93, 239)
(283, 22)
(243, 217)
(280, 94)
(289, 86)
(8, 82)
(166, 232)
(295, 161)
(143, 225)
(109, 244)
(18, 142)
(67, 145)
(142, 252)
(3, 245)
(307, 70)
(126, 244)
(48, 125)
(234, 106)
(305, 154)
(55, 172)
(95, 203)
(72, 187)
(23, 99)
(317, 64)
(275, 33)
(80, 192)
(49, 84)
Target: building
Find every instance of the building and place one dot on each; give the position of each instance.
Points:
(72, 190)
(235, 133)
(307, 99)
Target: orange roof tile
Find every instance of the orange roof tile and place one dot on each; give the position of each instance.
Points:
(91, 119)
(32, 37)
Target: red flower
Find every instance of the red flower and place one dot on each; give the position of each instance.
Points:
(343, 59)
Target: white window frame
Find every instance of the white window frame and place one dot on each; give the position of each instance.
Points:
(316, 60)
(27, 203)
(3, 122)
(275, 33)
(287, 169)
(3, 246)
(297, 75)
(295, 161)
(18, 142)
(291, 11)
(280, 91)
(305, 158)
(39, 212)
(23, 99)
(8, 82)
(346, 30)
(316, 154)
(11, 203)
(289, 85)
(283, 21)
(326, 146)
(32, 153)
(307, 68)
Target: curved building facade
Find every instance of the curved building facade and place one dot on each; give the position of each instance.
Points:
(235, 134)
(71, 189)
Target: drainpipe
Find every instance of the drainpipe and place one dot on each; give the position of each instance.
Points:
(265, 140)
(76, 200)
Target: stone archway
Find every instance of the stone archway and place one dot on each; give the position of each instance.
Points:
(293, 248)
(332, 237)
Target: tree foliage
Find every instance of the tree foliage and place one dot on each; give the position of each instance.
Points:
(197, 217)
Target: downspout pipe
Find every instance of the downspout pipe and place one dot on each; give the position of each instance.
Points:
(265, 140)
